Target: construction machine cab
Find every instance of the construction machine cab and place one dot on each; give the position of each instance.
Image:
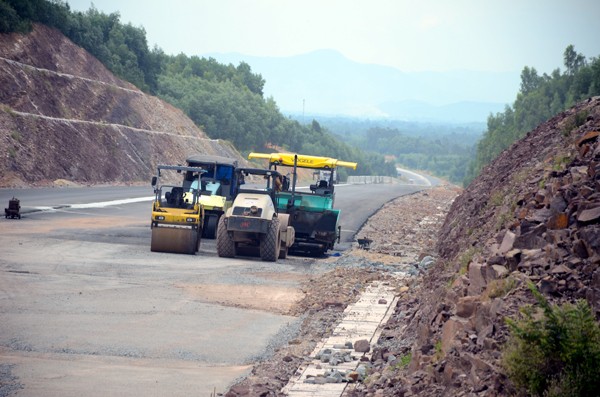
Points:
(218, 187)
(253, 223)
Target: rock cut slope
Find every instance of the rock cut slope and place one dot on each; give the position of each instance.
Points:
(63, 115)
(532, 216)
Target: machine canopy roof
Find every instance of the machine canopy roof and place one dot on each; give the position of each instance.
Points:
(304, 161)
(209, 159)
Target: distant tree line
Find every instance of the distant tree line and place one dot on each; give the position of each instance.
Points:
(445, 154)
(539, 99)
(226, 101)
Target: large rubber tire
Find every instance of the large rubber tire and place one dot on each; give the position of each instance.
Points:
(225, 244)
(210, 226)
(270, 243)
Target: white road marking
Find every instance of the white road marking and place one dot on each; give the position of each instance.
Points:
(100, 204)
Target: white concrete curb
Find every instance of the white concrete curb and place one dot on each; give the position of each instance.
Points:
(361, 320)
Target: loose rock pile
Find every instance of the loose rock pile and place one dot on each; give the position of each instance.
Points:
(532, 216)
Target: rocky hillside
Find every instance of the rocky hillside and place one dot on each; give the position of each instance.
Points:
(64, 116)
(533, 215)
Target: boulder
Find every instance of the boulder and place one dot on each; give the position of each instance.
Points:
(507, 242)
(450, 330)
(589, 215)
(362, 346)
(493, 272)
(588, 137)
(466, 306)
(477, 281)
(559, 220)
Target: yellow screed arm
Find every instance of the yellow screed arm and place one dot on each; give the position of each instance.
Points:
(304, 161)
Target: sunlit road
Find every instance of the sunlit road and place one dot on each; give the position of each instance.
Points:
(87, 309)
(356, 202)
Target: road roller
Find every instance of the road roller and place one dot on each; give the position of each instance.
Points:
(177, 215)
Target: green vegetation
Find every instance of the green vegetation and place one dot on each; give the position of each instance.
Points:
(559, 162)
(555, 352)
(539, 98)
(574, 121)
(444, 150)
(464, 259)
(225, 100)
(16, 135)
(500, 287)
(439, 353)
(405, 360)
(446, 156)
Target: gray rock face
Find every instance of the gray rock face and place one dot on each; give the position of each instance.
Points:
(524, 219)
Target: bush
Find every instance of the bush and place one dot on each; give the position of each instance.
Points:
(555, 352)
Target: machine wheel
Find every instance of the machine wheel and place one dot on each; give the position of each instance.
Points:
(210, 226)
(225, 244)
(270, 244)
(283, 252)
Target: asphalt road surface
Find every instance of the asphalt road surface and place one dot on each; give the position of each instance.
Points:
(87, 309)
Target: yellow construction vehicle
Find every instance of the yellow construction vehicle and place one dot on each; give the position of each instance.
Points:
(177, 218)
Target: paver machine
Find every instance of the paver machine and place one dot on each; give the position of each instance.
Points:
(177, 215)
(218, 186)
(253, 225)
(315, 221)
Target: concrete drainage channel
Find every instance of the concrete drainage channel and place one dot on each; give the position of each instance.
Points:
(361, 321)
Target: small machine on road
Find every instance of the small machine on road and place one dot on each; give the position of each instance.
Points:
(253, 225)
(13, 210)
(315, 221)
(177, 216)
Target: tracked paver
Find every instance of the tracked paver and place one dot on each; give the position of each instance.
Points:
(361, 320)
(315, 220)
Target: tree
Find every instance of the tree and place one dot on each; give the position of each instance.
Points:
(539, 99)
(573, 60)
(9, 19)
(316, 126)
(529, 80)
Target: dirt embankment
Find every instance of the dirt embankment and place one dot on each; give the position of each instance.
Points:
(63, 115)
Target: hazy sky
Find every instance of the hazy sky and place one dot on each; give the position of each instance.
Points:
(411, 35)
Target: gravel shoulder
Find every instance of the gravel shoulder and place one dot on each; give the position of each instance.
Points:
(403, 235)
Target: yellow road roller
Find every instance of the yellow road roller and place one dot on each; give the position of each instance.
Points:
(177, 217)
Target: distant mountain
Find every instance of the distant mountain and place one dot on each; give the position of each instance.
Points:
(326, 82)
